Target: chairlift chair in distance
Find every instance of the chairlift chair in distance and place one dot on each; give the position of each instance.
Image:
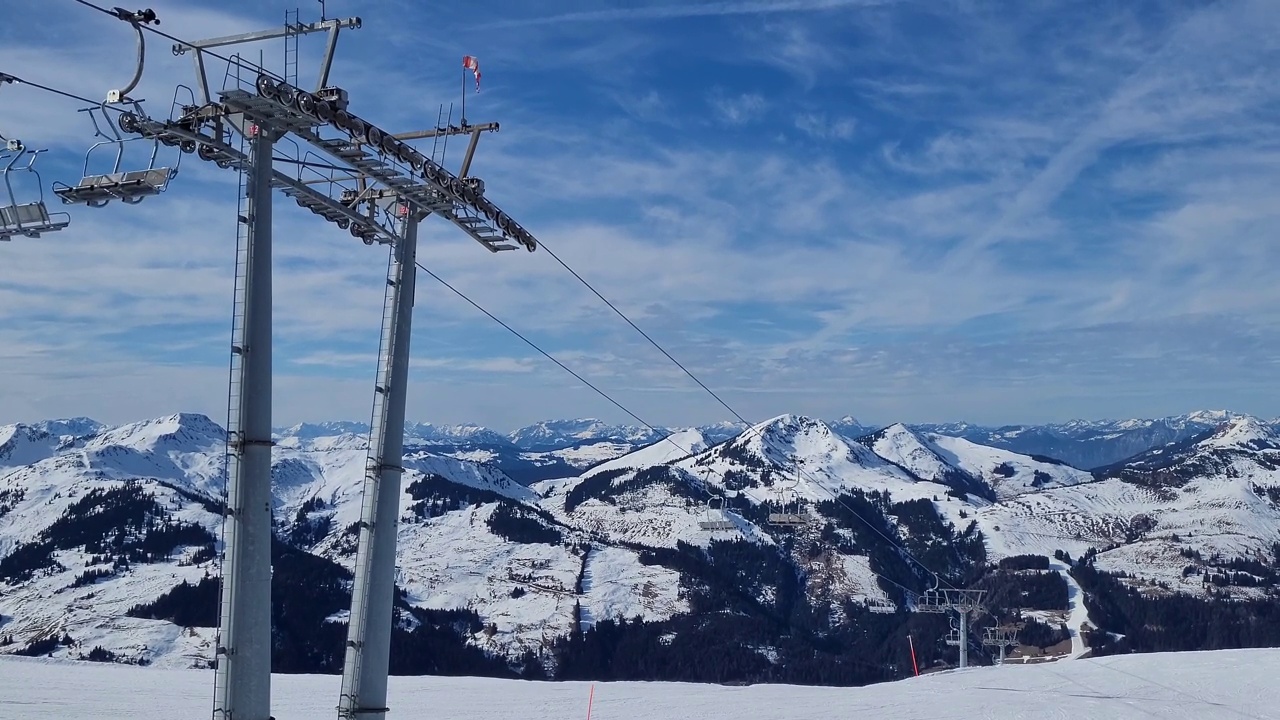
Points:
(29, 219)
(792, 516)
(715, 518)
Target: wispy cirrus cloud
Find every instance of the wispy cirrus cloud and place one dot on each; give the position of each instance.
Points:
(676, 11)
(902, 210)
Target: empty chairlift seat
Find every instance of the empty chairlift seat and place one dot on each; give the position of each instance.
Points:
(29, 219)
(715, 517)
(129, 187)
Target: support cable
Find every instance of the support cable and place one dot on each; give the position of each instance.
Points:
(801, 470)
(236, 61)
(606, 396)
(750, 427)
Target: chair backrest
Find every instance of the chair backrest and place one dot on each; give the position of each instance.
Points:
(28, 214)
(32, 214)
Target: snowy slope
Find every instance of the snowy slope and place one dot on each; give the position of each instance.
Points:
(1210, 495)
(178, 459)
(809, 459)
(1219, 685)
(454, 561)
(1009, 473)
(558, 434)
(676, 446)
(23, 445)
(168, 459)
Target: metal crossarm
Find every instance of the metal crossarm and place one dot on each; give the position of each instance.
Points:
(224, 155)
(384, 158)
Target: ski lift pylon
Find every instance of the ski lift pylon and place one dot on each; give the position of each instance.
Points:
(29, 219)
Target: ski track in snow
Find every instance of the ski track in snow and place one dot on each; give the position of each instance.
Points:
(1214, 685)
(1078, 614)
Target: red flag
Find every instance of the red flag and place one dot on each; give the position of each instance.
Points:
(469, 62)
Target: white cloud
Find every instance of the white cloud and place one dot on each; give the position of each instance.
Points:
(691, 9)
(878, 276)
(817, 125)
(738, 109)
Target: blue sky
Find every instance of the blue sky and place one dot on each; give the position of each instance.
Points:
(920, 211)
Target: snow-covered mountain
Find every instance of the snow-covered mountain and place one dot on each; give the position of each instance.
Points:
(1087, 444)
(1168, 515)
(968, 467)
(559, 434)
(103, 534)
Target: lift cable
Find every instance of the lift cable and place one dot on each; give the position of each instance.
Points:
(173, 38)
(605, 395)
(750, 428)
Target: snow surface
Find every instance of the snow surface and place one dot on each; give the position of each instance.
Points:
(454, 560)
(676, 446)
(1244, 432)
(1214, 685)
(982, 462)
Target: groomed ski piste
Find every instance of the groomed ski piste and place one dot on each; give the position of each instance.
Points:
(1201, 685)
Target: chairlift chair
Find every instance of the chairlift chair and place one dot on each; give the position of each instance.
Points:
(716, 518)
(795, 518)
(28, 219)
(130, 186)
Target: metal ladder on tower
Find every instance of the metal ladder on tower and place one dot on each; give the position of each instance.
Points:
(235, 434)
(291, 25)
(440, 143)
(373, 466)
(381, 384)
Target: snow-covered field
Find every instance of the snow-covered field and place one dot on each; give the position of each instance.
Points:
(1204, 686)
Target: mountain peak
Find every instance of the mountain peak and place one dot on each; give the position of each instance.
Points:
(193, 429)
(559, 434)
(1243, 431)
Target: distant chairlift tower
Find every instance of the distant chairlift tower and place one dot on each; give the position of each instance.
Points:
(1001, 638)
(964, 603)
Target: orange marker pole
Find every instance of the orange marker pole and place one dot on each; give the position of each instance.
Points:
(590, 700)
(914, 666)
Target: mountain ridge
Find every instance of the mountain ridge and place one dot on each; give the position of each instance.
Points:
(538, 567)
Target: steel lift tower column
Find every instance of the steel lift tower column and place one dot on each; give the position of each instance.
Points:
(242, 680)
(242, 685)
(364, 671)
(370, 182)
(368, 651)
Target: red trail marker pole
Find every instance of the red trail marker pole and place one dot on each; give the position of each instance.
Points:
(914, 666)
(590, 700)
